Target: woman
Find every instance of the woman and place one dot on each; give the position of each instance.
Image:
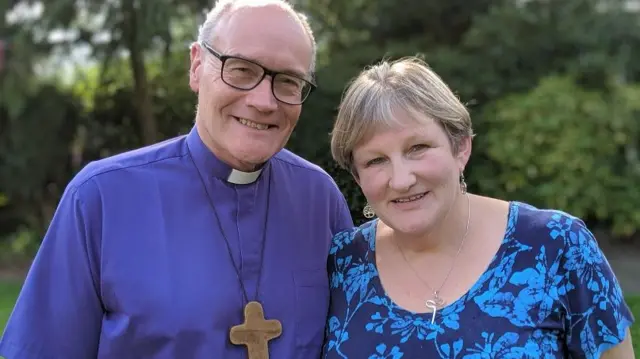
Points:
(442, 273)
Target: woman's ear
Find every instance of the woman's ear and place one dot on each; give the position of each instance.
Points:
(464, 152)
(354, 174)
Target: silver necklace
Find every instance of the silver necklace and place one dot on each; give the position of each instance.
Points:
(436, 302)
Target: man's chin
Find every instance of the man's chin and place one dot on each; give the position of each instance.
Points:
(252, 162)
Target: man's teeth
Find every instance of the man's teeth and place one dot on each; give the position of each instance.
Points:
(257, 126)
(409, 199)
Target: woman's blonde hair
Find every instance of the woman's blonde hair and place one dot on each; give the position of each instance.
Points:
(374, 98)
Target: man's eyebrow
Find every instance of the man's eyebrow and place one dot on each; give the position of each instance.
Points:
(295, 73)
(303, 75)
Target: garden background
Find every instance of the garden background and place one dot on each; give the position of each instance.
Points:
(553, 87)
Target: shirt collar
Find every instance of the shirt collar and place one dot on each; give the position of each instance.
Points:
(208, 163)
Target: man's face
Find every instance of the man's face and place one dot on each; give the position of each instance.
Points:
(230, 121)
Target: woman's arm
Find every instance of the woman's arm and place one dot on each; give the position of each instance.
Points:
(624, 350)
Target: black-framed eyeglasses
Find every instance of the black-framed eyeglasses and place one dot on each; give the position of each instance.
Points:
(244, 74)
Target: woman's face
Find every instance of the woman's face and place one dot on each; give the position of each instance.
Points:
(410, 175)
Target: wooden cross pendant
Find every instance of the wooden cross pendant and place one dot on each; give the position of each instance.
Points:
(255, 332)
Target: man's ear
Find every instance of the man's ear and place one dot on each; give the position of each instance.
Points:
(195, 67)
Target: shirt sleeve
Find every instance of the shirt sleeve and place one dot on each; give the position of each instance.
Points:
(597, 315)
(58, 313)
(342, 219)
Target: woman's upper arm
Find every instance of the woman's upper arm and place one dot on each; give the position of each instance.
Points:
(624, 350)
(597, 318)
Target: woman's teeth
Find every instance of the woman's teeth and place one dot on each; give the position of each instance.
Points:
(409, 199)
(257, 126)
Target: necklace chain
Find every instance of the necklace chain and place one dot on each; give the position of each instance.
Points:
(437, 302)
(238, 269)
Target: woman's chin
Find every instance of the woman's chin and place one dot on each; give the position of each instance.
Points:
(409, 226)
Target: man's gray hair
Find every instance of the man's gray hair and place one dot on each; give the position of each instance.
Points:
(224, 7)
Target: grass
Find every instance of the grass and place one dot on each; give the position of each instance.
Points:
(9, 293)
(634, 304)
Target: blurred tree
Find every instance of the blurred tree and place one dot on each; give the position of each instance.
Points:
(565, 147)
(19, 54)
(484, 50)
(4, 48)
(35, 157)
(43, 130)
(494, 54)
(141, 29)
(511, 48)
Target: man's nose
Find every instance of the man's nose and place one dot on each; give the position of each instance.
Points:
(261, 97)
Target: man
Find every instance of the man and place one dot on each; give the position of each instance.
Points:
(158, 252)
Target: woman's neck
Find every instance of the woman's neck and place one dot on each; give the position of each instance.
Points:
(443, 237)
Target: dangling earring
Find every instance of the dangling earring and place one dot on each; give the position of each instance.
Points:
(463, 184)
(368, 212)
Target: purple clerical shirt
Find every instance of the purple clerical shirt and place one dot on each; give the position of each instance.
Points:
(134, 264)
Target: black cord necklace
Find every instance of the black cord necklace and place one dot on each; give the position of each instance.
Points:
(226, 240)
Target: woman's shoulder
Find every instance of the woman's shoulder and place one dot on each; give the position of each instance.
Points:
(552, 233)
(531, 221)
(573, 270)
(354, 239)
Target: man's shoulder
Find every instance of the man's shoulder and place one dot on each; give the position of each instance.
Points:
(137, 158)
(356, 240)
(301, 166)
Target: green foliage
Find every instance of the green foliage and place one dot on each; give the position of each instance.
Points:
(20, 245)
(111, 127)
(36, 154)
(569, 148)
(16, 80)
(9, 291)
(510, 61)
(634, 305)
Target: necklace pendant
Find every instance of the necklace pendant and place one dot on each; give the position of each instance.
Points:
(437, 300)
(256, 331)
(434, 304)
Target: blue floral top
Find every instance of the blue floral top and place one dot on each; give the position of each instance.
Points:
(549, 292)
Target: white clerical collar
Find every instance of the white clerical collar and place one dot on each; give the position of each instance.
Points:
(239, 177)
